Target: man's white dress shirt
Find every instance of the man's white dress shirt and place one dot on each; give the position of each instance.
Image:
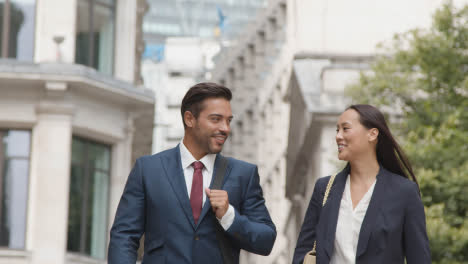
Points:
(349, 225)
(208, 166)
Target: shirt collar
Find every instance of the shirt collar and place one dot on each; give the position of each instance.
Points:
(187, 158)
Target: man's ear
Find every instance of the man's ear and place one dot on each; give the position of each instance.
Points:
(373, 134)
(189, 119)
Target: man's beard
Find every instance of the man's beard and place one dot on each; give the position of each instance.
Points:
(218, 148)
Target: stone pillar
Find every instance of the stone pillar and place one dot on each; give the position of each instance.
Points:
(260, 49)
(125, 40)
(142, 8)
(239, 82)
(55, 19)
(122, 164)
(281, 20)
(121, 167)
(271, 31)
(50, 178)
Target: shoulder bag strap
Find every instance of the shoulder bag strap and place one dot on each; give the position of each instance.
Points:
(325, 197)
(223, 242)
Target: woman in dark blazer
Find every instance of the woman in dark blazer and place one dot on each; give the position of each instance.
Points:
(374, 212)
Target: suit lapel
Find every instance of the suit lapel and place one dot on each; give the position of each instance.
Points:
(206, 205)
(372, 213)
(332, 207)
(175, 174)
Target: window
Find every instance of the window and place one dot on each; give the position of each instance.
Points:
(17, 19)
(89, 190)
(162, 28)
(95, 34)
(14, 172)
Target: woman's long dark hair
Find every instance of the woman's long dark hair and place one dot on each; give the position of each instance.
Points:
(389, 153)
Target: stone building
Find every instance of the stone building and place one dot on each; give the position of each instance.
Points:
(257, 71)
(288, 75)
(73, 117)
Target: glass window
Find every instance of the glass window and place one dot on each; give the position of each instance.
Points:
(95, 34)
(14, 172)
(89, 190)
(17, 19)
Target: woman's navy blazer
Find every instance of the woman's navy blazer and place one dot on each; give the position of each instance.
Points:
(393, 228)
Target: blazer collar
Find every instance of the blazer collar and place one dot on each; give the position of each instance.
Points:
(332, 207)
(173, 169)
(373, 211)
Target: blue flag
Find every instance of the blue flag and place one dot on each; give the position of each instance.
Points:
(221, 18)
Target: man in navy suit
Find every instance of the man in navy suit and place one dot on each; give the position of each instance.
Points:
(168, 196)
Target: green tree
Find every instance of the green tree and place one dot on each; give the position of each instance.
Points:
(424, 72)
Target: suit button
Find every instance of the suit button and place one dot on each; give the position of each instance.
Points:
(197, 238)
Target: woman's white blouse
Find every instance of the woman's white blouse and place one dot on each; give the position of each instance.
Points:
(349, 225)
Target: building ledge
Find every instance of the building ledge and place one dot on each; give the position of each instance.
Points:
(335, 57)
(75, 74)
(14, 253)
(73, 258)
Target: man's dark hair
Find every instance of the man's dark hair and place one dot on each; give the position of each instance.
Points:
(193, 99)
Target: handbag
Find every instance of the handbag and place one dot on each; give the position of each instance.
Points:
(310, 257)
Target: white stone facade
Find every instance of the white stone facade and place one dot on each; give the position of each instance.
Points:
(57, 100)
(288, 76)
(257, 71)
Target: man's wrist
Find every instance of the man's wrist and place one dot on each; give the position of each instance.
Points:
(228, 218)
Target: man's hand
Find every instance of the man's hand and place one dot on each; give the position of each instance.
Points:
(219, 201)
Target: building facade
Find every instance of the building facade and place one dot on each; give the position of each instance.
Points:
(181, 40)
(288, 75)
(257, 71)
(73, 118)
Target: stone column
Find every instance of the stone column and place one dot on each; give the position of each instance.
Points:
(122, 164)
(55, 19)
(260, 49)
(125, 46)
(50, 178)
(121, 167)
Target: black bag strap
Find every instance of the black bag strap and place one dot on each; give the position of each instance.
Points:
(223, 242)
(220, 172)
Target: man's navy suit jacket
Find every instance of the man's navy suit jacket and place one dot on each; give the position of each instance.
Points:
(393, 228)
(155, 202)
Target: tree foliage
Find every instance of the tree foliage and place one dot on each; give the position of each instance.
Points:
(422, 75)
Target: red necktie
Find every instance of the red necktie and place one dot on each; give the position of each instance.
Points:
(196, 195)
